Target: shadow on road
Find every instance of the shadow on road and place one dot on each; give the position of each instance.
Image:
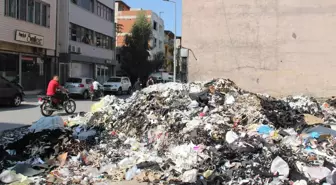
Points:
(21, 107)
(8, 126)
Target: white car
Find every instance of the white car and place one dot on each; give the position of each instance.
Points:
(118, 85)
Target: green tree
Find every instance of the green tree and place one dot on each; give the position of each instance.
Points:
(135, 53)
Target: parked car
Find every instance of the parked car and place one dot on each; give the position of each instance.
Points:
(10, 92)
(79, 86)
(118, 85)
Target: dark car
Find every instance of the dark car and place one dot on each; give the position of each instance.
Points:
(10, 93)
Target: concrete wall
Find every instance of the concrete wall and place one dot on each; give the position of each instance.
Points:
(279, 47)
(8, 25)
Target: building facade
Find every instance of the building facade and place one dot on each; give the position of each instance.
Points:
(126, 16)
(276, 47)
(86, 39)
(169, 50)
(27, 42)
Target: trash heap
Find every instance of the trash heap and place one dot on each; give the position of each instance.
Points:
(198, 133)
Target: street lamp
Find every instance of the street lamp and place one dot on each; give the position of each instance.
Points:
(171, 1)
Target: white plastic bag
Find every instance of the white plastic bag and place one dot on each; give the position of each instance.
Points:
(280, 166)
(229, 99)
(47, 123)
(300, 182)
(131, 173)
(190, 176)
(231, 136)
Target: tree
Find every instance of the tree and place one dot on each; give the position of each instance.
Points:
(135, 53)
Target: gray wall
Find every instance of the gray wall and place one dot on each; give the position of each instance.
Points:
(279, 47)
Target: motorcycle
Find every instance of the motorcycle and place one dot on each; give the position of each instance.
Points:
(47, 108)
(95, 94)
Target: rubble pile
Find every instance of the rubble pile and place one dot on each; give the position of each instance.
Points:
(198, 133)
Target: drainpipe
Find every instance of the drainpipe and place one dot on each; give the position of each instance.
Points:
(56, 42)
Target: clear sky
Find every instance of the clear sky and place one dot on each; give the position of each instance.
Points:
(161, 6)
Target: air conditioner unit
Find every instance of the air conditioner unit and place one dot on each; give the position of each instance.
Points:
(73, 49)
(79, 50)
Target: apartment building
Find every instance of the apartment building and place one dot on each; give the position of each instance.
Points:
(169, 50)
(126, 16)
(27, 42)
(276, 47)
(86, 39)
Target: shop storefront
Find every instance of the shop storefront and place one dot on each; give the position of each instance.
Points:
(27, 65)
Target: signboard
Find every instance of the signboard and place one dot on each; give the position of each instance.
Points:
(29, 38)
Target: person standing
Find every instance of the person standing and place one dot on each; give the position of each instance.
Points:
(137, 85)
(150, 81)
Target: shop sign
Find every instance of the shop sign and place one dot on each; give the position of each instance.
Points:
(29, 38)
(108, 61)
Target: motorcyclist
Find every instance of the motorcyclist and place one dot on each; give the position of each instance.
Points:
(52, 91)
(96, 86)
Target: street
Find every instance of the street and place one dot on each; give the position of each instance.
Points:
(29, 112)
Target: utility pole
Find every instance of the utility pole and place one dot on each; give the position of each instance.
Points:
(171, 1)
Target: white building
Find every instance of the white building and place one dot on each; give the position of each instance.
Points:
(158, 35)
(86, 38)
(27, 41)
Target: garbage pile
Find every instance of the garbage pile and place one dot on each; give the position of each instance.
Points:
(198, 133)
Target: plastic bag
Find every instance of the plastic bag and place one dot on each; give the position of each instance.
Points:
(264, 129)
(131, 173)
(280, 166)
(231, 136)
(47, 123)
(190, 176)
(229, 99)
(97, 106)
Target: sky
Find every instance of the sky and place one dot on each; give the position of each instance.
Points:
(161, 6)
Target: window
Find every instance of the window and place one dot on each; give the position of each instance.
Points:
(155, 25)
(44, 15)
(154, 42)
(74, 80)
(23, 9)
(105, 12)
(99, 9)
(98, 39)
(87, 4)
(37, 13)
(31, 11)
(114, 80)
(73, 32)
(88, 81)
(10, 8)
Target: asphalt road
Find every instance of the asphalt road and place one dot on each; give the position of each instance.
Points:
(29, 112)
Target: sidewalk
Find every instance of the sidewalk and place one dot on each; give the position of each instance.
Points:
(32, 94)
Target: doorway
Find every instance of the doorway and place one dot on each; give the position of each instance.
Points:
(102, 73)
